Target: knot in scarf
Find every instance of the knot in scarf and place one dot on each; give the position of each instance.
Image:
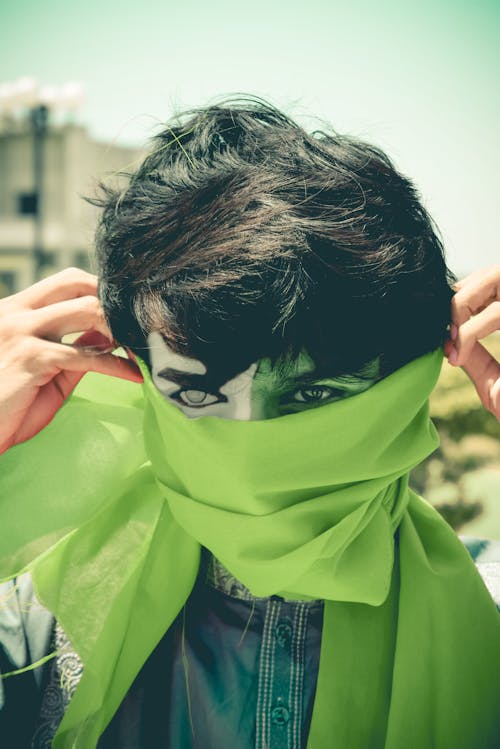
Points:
(304, 505)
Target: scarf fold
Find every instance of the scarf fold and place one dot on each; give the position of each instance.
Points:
(109, 505)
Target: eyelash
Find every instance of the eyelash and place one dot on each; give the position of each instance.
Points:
(333, 392)
(318, 386)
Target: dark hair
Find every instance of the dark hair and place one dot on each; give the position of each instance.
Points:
(242, 236)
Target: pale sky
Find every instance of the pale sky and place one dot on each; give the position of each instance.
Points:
(420, 79)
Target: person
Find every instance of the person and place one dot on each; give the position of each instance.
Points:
(258, 272)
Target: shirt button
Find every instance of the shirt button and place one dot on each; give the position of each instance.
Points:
(280, 715)
(283, 634)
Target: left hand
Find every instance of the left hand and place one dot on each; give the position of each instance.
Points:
(475, 313)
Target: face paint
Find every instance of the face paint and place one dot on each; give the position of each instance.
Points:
(260, 392)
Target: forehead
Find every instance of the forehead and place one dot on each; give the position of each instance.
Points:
(163, 357)
(169, 364)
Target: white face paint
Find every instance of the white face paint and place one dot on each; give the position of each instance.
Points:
(260, 392)
(237, 391)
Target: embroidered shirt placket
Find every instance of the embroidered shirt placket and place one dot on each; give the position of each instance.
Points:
(296, 691)
(266, 668)
(281, 676)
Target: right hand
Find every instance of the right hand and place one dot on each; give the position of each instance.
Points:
(37, 371)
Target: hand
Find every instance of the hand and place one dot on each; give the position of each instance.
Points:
(37, 371)
(475, 313)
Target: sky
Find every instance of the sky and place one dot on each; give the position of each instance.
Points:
(419, 79)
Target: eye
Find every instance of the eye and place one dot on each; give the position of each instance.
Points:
(195, 398)
(315, 393)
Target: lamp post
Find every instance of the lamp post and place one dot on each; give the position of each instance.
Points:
(26, 101)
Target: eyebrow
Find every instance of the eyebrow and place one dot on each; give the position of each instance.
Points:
(207, 383)
(189, 379)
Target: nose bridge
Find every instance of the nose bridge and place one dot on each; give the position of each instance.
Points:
(249, 399)
(250, 403)
(261, 407)
(239, 395)
(241, 405)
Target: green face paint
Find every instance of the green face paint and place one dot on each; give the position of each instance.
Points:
(119, 493)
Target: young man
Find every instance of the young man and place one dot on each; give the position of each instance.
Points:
(258, 272)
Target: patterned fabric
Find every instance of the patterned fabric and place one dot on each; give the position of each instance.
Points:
(233, 670)
(63, 679)
(486, 556)
(219, 577)
(279, 719)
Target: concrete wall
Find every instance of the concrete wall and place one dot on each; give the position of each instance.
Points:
(73, 163)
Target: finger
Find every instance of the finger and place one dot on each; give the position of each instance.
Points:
(476, 292)
(93, 339)
(478, 274)
(484, 372)
(458, 285)
(56, 320)
(130, 353)
(68, 357)
(477, 327)
(66, 284)
(447, 347)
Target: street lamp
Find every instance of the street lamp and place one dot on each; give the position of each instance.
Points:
(25, 99)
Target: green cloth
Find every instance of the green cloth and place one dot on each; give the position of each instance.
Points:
(109, 504)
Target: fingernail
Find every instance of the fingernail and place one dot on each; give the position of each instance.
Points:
(453, 331)
(452, 358)
(95, 349)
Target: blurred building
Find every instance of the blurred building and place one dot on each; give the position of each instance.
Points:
(72, 164)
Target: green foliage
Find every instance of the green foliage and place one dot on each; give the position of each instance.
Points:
(460, 512)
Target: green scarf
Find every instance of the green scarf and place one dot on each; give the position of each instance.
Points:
(108, 507)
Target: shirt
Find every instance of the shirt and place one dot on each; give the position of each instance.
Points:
(233, 670)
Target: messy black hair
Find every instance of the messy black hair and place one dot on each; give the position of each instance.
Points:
(243, 236)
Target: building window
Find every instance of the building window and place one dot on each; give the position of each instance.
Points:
(27, 203)
(7, 283)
